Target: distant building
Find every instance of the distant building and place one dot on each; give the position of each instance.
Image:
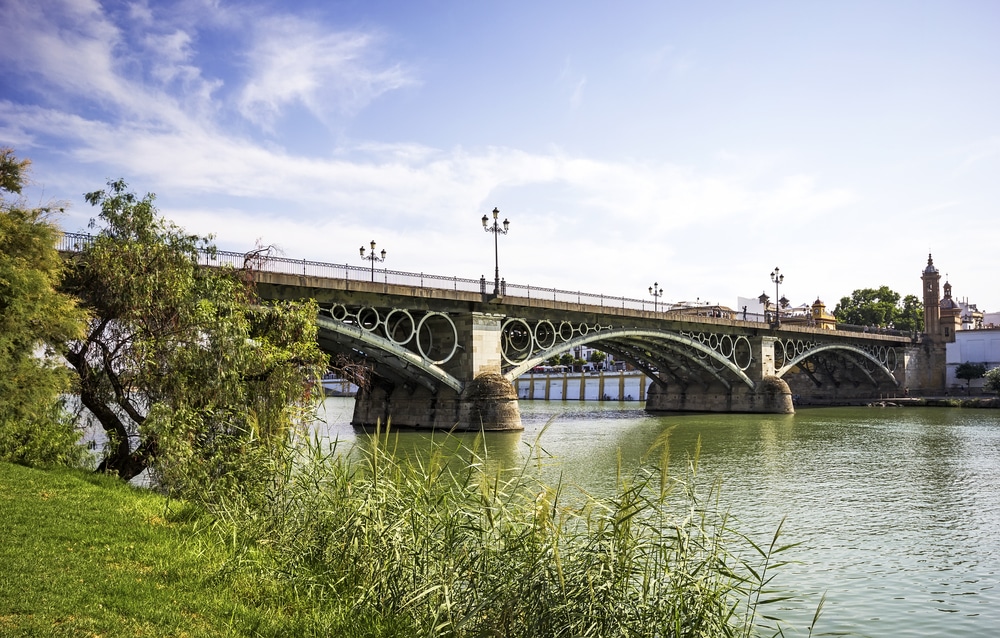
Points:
(750, 308)
(972, 346)
(954, 333)
(972, 317)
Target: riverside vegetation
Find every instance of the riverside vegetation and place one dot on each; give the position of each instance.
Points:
(252, 528)
(368, 542)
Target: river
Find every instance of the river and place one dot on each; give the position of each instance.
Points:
(897, 510)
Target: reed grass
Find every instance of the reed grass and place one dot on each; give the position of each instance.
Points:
(370, 542)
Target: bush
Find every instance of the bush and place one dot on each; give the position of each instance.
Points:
(992, 381)
(370, 544)
(45, 440)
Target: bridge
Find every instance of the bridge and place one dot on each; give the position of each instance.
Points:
(443, 351)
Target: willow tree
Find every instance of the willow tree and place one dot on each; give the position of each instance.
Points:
(36, 322)
(189, 373)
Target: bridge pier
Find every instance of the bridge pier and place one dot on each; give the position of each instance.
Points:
(485, 400)
(769, 393)
(489, 403)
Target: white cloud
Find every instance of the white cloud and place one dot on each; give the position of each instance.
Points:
(295, 61)
(67, 44)
(139, 99)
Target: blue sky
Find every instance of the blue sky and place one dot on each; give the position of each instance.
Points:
(698, 145)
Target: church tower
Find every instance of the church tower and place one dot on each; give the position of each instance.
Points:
(950, 316)
(932, 299)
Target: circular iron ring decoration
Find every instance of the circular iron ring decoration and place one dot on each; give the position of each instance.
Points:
(517, 341)
(726, 346)
(368, 319)
(780, 355)
(393, 324)
(565, 330)
(339, 312)
(430, 335)
(741, 346)
(545, 335)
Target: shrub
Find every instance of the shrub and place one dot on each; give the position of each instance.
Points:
(992, 380)
(377, 545)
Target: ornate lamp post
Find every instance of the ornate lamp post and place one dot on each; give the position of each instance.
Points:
(777, 278)
(497, 231)
(657, 292)
(373, 257)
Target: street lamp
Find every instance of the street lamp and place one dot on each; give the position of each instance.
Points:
(497, 231)
(777, 278)
(657, 292)
(373, 257)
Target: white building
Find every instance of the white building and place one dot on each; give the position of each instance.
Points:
(972, 346)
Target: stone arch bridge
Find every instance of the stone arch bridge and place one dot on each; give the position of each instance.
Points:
(443, 354)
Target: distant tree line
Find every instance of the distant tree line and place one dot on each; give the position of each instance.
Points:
(882, 308)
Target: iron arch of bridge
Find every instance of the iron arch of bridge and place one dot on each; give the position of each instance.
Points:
(691, 348)
(851, 351)
(404, 362)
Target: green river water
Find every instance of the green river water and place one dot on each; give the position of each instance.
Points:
(897, 509)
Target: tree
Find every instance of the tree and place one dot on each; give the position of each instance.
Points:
(186, 370)
(969, 371)
(880, 307)
(911, 317)
(36, 322)
(992, 381)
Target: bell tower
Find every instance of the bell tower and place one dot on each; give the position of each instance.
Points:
(932, 299)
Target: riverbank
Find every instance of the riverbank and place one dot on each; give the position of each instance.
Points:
(958, 402)
(88, 555)
(905, 401)
(376, 552)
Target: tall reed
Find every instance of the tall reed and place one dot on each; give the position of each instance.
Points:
(375, 543)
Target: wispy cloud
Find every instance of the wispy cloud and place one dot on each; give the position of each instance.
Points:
(136, 97)
(295, 61)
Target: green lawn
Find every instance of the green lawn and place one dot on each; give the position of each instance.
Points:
(85, 555)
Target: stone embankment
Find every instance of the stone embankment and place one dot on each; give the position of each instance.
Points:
(938, 402)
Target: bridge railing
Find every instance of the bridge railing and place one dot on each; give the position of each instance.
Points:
(74, 242)
(848, 327)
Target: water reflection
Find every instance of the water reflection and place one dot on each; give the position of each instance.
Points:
(897, 510)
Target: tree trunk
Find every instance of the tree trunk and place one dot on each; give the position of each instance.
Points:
(121, 460)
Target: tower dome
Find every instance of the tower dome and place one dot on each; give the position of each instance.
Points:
(930, 269)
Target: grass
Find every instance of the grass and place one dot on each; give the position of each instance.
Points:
(374, 543)
(86, 555)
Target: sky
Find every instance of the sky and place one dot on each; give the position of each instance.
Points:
(695, 145)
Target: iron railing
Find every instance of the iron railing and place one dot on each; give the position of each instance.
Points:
(74, 242)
